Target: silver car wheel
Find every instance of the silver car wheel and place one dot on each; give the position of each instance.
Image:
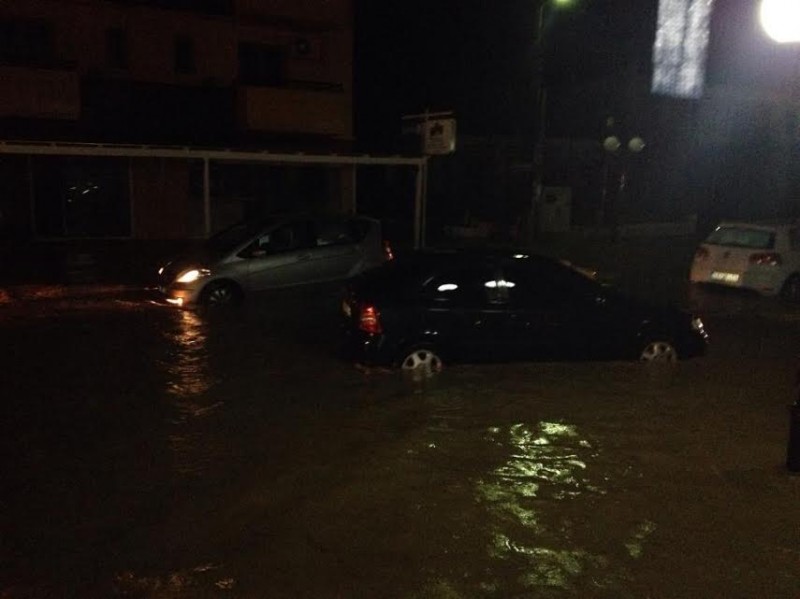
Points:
(423, 361)
(659, 351)
(221, 294)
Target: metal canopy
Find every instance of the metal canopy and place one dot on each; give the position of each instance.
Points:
(188, 152)
(231, 155)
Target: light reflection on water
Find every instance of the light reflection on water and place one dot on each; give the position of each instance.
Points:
(188, 381)
(548, 462)
(540, 502)
(188, 370)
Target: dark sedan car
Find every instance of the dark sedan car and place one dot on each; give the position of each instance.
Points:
(433, 307)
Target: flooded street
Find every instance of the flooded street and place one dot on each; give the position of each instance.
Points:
(156, 453)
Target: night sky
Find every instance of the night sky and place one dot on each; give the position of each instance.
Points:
(478, 59)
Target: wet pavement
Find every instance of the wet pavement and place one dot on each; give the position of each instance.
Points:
(156, 453)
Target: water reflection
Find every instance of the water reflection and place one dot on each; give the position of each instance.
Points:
(205, 580)
(548, 462)
(537, 501)
(188, 383)
(187, 369)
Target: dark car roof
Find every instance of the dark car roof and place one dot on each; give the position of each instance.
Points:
(411, 269)
(468, 255)
(401, 277)
(434, 258)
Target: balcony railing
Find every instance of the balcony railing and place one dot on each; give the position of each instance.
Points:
(208, 7)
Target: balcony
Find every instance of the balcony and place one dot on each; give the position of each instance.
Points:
(39, 93)
(295, 111)
(209, 7)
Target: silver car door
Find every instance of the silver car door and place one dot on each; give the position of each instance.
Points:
(281, 257)
(336, 250)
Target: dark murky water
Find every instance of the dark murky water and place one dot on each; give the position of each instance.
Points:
(155, 453)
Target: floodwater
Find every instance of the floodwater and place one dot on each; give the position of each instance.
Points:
(154, 453)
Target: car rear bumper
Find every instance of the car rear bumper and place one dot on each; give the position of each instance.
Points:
(694, 345)
(766, 280)
(366, 349)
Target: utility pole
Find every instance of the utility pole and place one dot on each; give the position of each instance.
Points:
(541, 106)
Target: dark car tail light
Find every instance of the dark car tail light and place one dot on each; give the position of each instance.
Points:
(701, 253)
(387, 250)
(766, 259)
(368, 320)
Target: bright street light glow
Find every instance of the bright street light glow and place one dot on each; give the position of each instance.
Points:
(781, 20)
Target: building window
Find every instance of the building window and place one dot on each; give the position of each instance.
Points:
(81, 197)
(26, 43)
(117, 48)
(184, 56)
(261, 64)
(681, 48)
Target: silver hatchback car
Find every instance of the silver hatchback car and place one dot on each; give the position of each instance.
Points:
(271, 253)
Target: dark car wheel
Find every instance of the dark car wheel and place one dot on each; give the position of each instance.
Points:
(660, 351)
(423, 361)
(221, 293)
(791, 289)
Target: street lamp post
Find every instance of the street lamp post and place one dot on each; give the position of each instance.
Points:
(781, 21)
(541, 106)
(613, 145)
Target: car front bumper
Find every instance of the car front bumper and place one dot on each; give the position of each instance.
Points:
(180, 294)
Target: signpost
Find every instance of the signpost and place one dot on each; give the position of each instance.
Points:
(437, 131)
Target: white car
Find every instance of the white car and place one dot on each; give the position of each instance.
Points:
(761, 257)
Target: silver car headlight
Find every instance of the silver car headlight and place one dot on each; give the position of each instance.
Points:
(190, 276)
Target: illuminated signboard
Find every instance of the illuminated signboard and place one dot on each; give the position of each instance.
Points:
(681, 49)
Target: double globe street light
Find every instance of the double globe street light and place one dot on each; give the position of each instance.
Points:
(614, 146)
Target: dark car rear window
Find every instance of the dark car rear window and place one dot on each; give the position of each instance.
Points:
(359, 228)
(410, 275)
(401, 278)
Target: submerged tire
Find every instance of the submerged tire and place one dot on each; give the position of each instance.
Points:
(220, 294)
(423, 361)
(659, 351)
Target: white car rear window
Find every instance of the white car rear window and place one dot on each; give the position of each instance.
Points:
(743, 237)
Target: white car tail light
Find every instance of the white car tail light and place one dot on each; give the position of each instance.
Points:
(766, 259)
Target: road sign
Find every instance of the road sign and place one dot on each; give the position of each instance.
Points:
(439, 136)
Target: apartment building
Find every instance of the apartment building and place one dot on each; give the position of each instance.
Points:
(258, 75)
